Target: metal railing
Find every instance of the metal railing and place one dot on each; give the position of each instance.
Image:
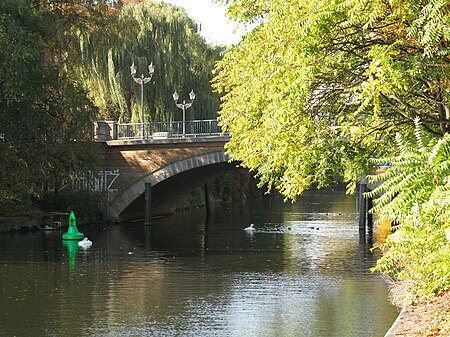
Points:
(159, 130)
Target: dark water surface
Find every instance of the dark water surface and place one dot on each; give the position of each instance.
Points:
(303, 273)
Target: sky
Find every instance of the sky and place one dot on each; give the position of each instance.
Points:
(216, 28)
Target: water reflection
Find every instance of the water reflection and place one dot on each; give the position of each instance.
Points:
(302, 273)
(72, 249)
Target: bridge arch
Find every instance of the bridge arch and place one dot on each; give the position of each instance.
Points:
(215, 160)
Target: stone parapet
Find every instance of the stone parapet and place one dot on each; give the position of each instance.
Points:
(105, 131)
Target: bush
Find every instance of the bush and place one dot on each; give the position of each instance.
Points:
(415, 192)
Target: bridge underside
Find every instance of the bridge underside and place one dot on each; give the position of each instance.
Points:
(169, 192)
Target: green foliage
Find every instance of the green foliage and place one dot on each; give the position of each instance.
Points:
(140, 34)
(415, 192)
(52, 52)
(318, 87)
(87, 204)
(45, 117)
(417, 171)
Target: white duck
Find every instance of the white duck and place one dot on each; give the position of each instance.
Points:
(85, 243)
(250, 229)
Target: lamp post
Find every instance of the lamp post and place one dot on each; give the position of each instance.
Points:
(183, 106)
(142, 80)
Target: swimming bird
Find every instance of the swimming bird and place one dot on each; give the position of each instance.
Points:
(250, 229)
(85, 243)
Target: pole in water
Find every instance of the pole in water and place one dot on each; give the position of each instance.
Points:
(148, 204)
(369, 214)
(72, 231)
(362, 208)
(148, 237)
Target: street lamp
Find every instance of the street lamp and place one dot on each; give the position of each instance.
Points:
(183, 106)
(142, 80)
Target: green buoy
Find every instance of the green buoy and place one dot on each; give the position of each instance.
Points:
(72, 231)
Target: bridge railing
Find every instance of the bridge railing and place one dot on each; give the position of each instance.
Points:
(158, 130)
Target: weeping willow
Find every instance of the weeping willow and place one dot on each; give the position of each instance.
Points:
(140, 34)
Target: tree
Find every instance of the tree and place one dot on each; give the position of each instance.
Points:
(45, 117)
(415, 193)
(58, 58)
(319, 87)
(141, 33)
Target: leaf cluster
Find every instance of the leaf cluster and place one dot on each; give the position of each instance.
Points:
(143, 33)
(318, 87)
(415, 192)
(45, 117)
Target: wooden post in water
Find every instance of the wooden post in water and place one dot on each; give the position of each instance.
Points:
(148, 204)
(362, 209)
(369, 214)
(369, 221)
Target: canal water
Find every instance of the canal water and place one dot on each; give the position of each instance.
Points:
(302, 273)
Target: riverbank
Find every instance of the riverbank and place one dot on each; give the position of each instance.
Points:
(11, 224)
(424, 318)
(32, 222)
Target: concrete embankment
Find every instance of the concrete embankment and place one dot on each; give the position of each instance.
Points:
(426, 317)
(392, 332)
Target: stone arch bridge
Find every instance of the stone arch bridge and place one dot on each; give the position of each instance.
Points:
(174, 167)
